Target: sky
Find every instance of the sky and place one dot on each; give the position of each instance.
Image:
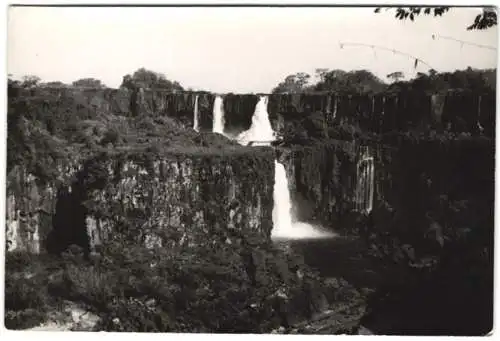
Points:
(240, 50)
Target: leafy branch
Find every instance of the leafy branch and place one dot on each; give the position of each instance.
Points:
(483, 21)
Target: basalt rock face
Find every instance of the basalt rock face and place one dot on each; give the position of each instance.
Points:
(31, 205)
(437, 213)
(180, 106)
(381, 113)
(324, 181)
(188, 197)
(89, 103)
(420, 176)
(410, 179)
(238, 112)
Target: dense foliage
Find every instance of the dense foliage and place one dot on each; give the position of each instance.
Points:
(147, 79)
(365, 82)
(245, 286)
(339, 81)
(471, 80)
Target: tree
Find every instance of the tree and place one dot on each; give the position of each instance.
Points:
(89, 83)
(395, 76)
(320, 73)
(30, 81)
(357, 81)
(143, 78)
(433, 82)
(483, 21)
(293, 83)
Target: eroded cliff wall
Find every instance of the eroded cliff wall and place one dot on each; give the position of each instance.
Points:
(31, 206)
(189, 197)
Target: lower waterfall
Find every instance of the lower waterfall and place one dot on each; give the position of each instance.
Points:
(284, 225)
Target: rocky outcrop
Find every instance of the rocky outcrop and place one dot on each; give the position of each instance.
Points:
(328, 186)
(323, 180)
(181, 196)
(31, 205)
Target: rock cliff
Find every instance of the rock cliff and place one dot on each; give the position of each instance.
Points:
(185, 196)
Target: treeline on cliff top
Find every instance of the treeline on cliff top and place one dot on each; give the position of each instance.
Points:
(365, 82)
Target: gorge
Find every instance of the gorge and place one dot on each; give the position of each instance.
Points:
(370, 168)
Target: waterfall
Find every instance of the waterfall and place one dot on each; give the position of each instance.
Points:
(282, 211)
(260, 130)
(365, 182)
(218, 113)
(285, 226)
(36, 241)
(195, 114)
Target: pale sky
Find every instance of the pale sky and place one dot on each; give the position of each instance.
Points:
(237, 50)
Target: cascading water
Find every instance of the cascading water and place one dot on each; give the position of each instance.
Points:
(218, 114)
(195, 114)
(285, 226)
(261, 131)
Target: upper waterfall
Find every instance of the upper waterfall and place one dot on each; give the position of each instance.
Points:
(218, 115)
(195, 114)
(260, 130)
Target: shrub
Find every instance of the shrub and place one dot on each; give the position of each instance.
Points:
(24, 319)
(26, 296)
(110, 136)
(244, 286)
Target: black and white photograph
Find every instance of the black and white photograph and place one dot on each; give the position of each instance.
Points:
(249, 169)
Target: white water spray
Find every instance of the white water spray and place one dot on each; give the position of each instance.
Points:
(261, 131)
(218, 116)
(195, 114)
